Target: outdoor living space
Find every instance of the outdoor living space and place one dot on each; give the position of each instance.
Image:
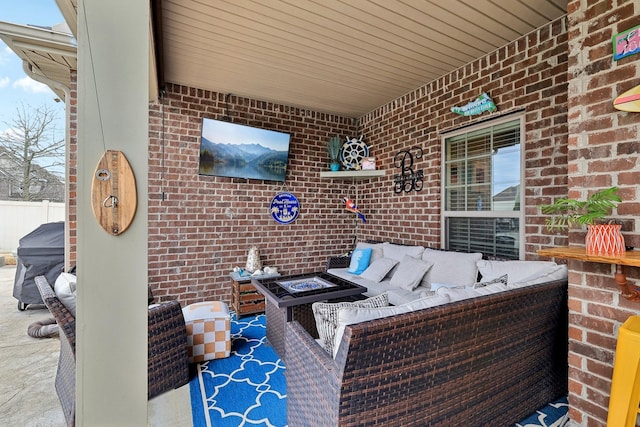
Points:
(463, 143)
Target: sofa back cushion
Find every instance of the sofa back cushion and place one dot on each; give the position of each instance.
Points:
(376, 249)
(451, 268)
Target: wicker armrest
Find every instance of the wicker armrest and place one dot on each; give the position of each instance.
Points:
(312, 380)
(65, 320)
(168, 360)
(338, 262)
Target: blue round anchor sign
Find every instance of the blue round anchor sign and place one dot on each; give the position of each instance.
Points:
(284, 208)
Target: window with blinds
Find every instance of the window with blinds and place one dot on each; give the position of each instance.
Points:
(482, 189)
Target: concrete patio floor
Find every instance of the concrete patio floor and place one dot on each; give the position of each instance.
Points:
(28, 368)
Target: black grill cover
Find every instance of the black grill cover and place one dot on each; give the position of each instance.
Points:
(40, 253)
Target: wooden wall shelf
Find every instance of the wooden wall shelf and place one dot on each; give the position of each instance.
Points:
(630, 258)
(355, 175)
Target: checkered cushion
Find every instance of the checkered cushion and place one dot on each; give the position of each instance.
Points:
(208, 330)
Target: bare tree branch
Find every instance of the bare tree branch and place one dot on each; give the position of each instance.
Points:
(35, 145)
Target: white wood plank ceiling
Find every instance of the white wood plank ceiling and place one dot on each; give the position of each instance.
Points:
(340, 56)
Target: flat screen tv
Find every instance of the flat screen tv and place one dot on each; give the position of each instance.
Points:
(238, 151)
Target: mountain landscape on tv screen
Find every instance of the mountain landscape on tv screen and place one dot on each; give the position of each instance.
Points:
(251, 161)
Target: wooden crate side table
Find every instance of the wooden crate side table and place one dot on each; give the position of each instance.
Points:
(245, 298)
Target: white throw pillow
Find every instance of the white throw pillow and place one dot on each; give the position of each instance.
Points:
(65, 290)
(378, 269)
(516, 270)
(326, 316)
(453, 268)
(409, 272)
(353, 315)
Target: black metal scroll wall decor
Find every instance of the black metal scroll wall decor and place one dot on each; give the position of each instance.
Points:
(408, 179)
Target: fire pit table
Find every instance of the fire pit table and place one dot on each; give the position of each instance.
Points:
(290, 298)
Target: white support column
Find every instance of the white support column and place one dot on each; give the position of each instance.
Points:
(113, 74)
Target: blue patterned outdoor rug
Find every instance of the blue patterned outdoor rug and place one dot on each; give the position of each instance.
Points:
(555, 414)
(248, 388)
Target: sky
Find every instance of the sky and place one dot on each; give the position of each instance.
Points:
(16, 87)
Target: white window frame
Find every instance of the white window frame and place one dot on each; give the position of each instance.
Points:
(520, 215)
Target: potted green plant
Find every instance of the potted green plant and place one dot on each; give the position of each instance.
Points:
(333, 147)
(603, 237)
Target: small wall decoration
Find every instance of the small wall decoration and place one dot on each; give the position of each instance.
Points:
(284, 208)
(408, 179)
(369, 163)
(626, 43)
(351, 206)
(479, 105)
(629, 100)
(114, 197)
(352, 153)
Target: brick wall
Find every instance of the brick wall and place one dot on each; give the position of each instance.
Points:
(205, 225)
(603, 151)
(527, 75)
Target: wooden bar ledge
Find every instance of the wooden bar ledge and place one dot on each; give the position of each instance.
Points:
(631, 258)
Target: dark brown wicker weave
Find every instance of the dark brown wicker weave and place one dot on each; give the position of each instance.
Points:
(167, 355)
(65, 382)
(487, 361)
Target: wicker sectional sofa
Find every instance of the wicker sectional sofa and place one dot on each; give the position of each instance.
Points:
(487, 360)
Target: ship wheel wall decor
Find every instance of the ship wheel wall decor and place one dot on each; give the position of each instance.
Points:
(352, 153)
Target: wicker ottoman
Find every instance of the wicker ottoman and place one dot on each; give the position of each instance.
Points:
(208, 330)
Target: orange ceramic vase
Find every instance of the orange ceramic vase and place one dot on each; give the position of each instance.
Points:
(604, 239)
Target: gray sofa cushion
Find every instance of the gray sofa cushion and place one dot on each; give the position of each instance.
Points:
(451, 268)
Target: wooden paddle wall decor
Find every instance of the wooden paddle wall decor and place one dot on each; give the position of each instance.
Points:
(113, 193)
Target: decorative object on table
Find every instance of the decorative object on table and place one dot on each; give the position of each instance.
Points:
(284, 208)
(253, 260)
(408, 179)
(351, 206)
(369, 163)
(602, 238)
(270, 270)
(352, 153)
(113, 193)
(628, 101)
(626, 43)
(333, 147)
(478, 106)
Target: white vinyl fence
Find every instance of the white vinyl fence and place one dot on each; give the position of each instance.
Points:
(20, 218)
